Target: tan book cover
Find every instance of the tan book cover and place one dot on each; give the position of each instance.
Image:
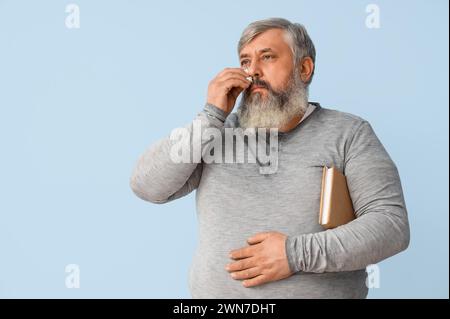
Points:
(336, 206)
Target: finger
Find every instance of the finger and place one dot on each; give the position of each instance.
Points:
(256, 281)
(232, 75)
(242, 253)
(235, 71)
(235, 82)
(258, 238)
(235, 77)
(241, 265)
(246, 274)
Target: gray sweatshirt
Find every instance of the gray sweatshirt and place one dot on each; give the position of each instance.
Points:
(235, 201)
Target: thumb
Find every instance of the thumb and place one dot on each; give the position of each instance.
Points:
(235, 92)
(257, 238)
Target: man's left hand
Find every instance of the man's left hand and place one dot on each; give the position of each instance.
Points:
(263, 261)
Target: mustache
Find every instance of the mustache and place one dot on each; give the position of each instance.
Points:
(260, 83)
(282, 96)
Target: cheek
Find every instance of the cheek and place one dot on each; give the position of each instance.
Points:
(279, 73)
(279, 79)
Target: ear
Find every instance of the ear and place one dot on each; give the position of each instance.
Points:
(306, 68)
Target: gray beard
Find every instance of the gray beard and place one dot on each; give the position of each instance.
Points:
(275, 110)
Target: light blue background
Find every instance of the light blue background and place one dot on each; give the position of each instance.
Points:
(78, 106)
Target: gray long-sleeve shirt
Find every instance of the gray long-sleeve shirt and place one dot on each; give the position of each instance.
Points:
(236, 201)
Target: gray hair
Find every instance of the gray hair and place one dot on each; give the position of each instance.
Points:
(296, 36)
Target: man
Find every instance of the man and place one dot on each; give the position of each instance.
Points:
(259, 235)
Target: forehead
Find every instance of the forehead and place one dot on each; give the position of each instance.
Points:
(274, 39)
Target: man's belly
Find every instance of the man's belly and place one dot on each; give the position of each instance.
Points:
(209, 279)
(236, 203)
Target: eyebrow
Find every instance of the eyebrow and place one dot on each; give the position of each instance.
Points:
(245, 55)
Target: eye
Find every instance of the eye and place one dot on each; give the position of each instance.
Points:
(267, 57)
(244, 62)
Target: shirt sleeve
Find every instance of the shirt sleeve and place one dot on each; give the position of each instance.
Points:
(159, 176)
(381, 228)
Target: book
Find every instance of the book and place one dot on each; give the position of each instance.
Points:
(336, 207)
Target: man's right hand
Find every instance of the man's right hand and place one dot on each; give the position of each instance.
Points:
(224, 89)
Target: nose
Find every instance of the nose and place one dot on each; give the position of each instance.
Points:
(254, 70)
